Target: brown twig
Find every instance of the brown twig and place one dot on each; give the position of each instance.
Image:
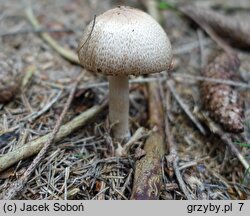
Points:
(148, 180)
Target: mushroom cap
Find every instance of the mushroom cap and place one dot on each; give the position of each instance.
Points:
(124, 41)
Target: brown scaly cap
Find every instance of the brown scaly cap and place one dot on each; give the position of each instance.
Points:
(124, 41)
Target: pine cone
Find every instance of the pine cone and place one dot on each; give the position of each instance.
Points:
(223, 102)
(9, 78)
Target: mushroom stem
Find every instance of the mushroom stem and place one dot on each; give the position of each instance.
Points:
(119, 106)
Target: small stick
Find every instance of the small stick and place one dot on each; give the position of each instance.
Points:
(67, 54)
(127, 181)
(33, 147)
(17, 187)
(67, 172)
(148, 181)
(123, 150)
(173, 158)
(170, 85)
(177, 77)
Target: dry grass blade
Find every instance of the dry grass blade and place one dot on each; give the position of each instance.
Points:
(223, 101)
(236, 31)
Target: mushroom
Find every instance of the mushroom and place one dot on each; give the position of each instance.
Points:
(120, 42)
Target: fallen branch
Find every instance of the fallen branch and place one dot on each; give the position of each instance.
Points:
(35, 146)
(67, 54)
(148, 180)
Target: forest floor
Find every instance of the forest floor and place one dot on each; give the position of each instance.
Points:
(83, 165)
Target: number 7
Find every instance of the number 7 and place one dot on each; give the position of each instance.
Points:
(241, 205)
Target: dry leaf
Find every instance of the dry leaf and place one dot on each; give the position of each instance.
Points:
(236, 31)
(223, 101)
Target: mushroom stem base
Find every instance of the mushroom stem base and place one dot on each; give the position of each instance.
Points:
(119, 107)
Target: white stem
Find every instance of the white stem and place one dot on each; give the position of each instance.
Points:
(119, 106)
